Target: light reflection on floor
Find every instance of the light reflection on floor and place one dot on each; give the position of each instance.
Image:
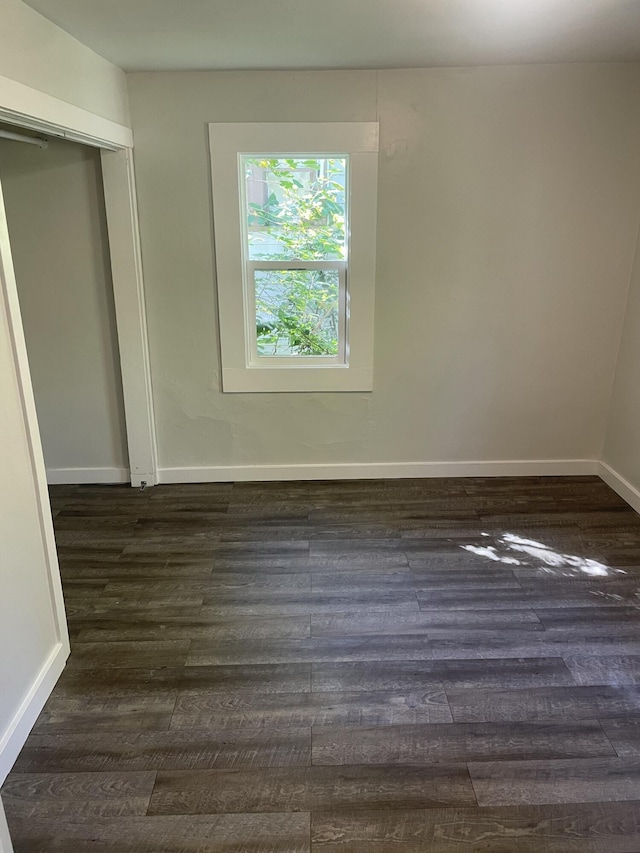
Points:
(541, 556)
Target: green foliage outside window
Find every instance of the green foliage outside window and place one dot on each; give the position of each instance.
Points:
(299, 214)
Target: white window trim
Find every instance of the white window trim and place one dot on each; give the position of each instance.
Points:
(353, 370)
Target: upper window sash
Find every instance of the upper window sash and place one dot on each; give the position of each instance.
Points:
(272, 184)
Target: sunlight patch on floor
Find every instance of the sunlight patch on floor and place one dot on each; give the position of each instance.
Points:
(549, 560)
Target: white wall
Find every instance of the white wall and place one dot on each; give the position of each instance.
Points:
(508, 206)
(59, 242)
(622, 443)
(39, 54)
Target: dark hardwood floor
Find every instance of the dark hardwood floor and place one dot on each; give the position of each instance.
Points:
(401, 666)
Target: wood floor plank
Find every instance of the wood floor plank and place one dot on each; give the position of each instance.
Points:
(101, 684)
(281, 548)
(472, 526)
(592, 828)
(404, 647)
(358, 560)
(126, 752)
(419, 744)
(117, 655)
(317, 788)
(357, 583)
(124, 682)
(231, 833)
(355, 547)
(460, 645)
(294, 602)
(417, 675)
(425, 579)
(202, 710)
(543, 703)
(354, 530)
(50, 795)
(585, 781)
(134, 712)
(85, 589)
(603, 619)
(221, 582)
(560, 595)
(624, 734)
(422, 622)
(141, 626)
(410, 516)
(138, 569)
(109, 605)
(611, 669)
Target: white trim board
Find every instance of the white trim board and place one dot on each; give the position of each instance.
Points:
(380, 470)
(618, 483)
(27, 107)
(18, 729)
(70, 476)
(118, 178)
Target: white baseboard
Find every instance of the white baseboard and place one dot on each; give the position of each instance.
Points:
(379, 470)
(16, 733)
(618, 483)
(70, 476)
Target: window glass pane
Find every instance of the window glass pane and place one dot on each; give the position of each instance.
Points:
(297, 312)
(295, 208)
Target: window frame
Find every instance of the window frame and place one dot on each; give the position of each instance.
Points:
(352, 368)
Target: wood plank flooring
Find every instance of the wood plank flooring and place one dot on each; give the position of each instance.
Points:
(393, 666)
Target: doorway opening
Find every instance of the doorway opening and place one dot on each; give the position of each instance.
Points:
(54, 203)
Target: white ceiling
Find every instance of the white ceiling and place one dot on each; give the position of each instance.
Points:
(224, 34)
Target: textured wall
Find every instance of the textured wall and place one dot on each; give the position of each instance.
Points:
(35, 52)
(508, 206)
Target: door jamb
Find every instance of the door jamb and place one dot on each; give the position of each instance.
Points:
(118, 178)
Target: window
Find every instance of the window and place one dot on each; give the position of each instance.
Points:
(294, 255)
(294, 220)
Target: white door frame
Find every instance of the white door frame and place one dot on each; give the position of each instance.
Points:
(120, 200)
(26, 107)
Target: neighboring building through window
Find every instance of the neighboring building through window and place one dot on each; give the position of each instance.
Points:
(294, 219)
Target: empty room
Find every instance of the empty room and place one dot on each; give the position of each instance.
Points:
(320, 426)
